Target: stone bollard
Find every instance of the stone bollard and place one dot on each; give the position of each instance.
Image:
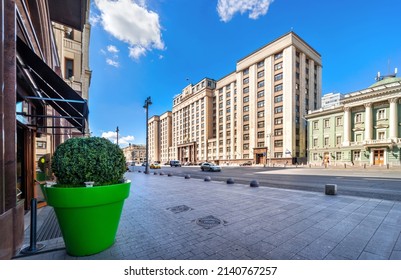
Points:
(207, 179)
(187, 176)
(345, 165)
(254, 184)
(330, 189)
(388, 165)
(170, 175)
(155, 173)
(230, 181)
(364, 166)
(161, 174)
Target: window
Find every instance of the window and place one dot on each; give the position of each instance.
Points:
(41, 144)
(246, 81)
(381, 114)
(358, 118)
(228, 102)
(326, 141)
(278, 66)
(261, 93)
(246, 127)
(338, 155)
(245, 71)
(246, 137)
(278, 155)
(261, 124)
(261, 144)
(278, 77)
(315, 141)
(261, 64)
(261, 134)
(278, 87)
(261, 114)
(261, 104)
(245, 90)
(261, 84)
(278, 109)
(326, 123)
(278, 143)
(69, 68)
(278, 132)
(381, 135)
(278, 56)
(278, 98)
(246, 99)
(261, 74)
(339, 121)
(245, 146)
(338, 140)
(278, 120)
(246, 118)
(220, 97)
(315, 156)
(246, 108)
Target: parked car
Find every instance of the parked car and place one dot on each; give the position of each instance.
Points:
(155, 166)
(248, 163)
(208, 166)
(175, 163)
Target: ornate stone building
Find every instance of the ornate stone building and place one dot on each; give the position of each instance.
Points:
(363, 129)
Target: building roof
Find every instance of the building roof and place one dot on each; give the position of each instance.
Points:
(386, 80)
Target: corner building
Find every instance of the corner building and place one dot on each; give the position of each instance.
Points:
(255, 113)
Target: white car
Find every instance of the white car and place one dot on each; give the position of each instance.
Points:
(208, 166)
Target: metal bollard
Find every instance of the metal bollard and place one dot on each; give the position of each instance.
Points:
(33, 247)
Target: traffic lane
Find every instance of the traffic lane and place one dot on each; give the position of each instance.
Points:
(382, 188)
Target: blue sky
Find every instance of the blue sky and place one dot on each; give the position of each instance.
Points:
(142, 48)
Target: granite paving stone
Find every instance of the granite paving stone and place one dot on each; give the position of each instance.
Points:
(259, 223)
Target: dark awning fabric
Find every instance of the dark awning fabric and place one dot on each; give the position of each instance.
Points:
(71, 13)
(54, 90)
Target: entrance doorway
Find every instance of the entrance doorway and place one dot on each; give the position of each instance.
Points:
(378, 157)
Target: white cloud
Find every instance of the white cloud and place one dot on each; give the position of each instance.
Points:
(136, 51)
(112, 49)
(256, 8)
(123, 141)
(112, 62)
(131, 22)
(94, 19)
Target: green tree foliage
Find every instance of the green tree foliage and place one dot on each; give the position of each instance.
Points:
(96, 159)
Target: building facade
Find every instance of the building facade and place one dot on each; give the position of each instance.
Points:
(135, 153)
(30, 82)
(254, 113)
(73, 52)
(331, 99)
(363, 129)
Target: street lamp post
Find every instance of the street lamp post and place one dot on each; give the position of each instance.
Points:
(117, 130)
(146, 106)
(269, 136)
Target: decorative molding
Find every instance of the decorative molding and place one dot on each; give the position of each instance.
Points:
(393, 100)
(381, 126)
(358, 129)
(368, 105)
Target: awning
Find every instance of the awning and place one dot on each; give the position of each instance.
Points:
(71, 12)
(53, 90)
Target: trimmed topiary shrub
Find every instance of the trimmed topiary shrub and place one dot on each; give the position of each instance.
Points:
(95, 159)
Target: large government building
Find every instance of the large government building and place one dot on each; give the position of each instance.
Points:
(256, 113)
(364, 128)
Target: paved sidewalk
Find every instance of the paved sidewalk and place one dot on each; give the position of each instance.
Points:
(248, 223)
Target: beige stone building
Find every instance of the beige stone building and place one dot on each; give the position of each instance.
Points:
(135, 153)
(73, 53)
(255, 113)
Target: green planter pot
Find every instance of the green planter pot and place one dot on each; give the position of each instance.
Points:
(88, 216)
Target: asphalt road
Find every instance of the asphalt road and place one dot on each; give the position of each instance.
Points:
(377, 182)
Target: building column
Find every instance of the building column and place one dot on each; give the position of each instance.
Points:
(368, 121)
(347, 126)
(393, 118)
